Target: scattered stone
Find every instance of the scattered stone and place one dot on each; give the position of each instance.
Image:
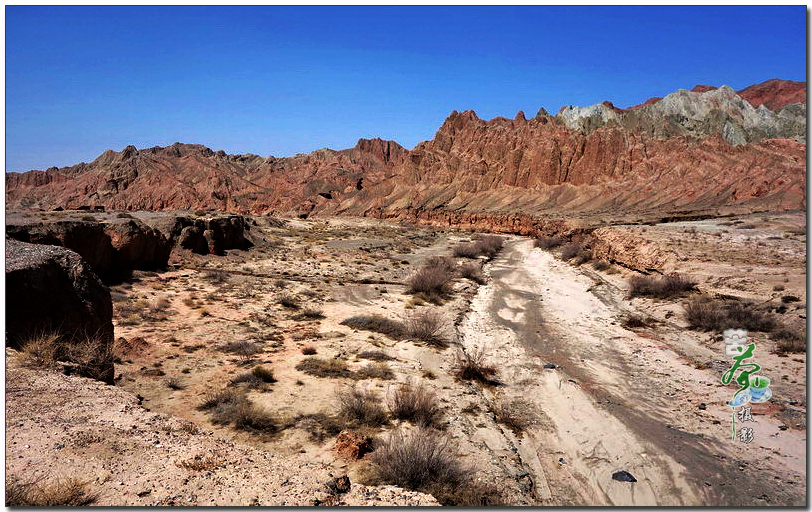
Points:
(339, 485)
(623, 476)
(352, 445)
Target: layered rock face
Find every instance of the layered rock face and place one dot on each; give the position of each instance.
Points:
(112, 248)
(52, 289)
(699, 150)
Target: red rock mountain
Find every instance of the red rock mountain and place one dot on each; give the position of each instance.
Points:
(502, 174)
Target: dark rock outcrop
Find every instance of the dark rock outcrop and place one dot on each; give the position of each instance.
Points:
(112, 248)
(52, 289)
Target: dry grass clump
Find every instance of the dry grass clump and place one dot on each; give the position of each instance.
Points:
(313, 313)
(416, 404)
(375, 355)
(635, 322)
(71, 492)
(706, 314)
(473, 272)
(318, 367)
(428, 326)
(215, 276)
(786, 299)
(547, 242)
(198, 463)
(244, 349)
(174, 383)
(441, 262)
(571, 250)
(379, 370)
(289, 301)
(512, 415)
(431, 282)
(488, 246)
(263, 374)
(601, 265)
(424, 460)
(376, 323)
(664, 287)
(309, 350)
(91, 355)
(230, 406)
(472, 366)
(359, 407)
(789, 341)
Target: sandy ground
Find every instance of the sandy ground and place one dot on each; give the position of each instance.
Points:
(596, 398)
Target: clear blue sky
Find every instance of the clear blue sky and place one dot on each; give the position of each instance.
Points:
(285, 80)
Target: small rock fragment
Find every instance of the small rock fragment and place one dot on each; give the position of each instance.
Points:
(623, 476)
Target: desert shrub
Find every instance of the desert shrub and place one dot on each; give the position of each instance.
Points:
(124, 215)
(375, 323)
(289, 301)
(778, 288)
(43, 349)
(263, 374)
(635, 322)
(244, 349)
(217, 398)
(432, 282)
(248, 378)
(547, 242)
(320, 426)
(512, 415)
(662, 287)
(442, 262)
(490, 245)
(312, 312)
(359, 407)
(215, 276)
(415, 403)
(747, 226)
(571, 250)
(200, 213)
(309, 350)
(417, 460)
(707, 314)
(473, 272)
(378, 370)
(70, 492)
(601, 265)
(472, 366)
(375, 355)
(198, 463)
(786, 299)
(89, 218)
(318, 367)
(789, 341)
(467, 250)
(174, 383)
(92, 355)
(428, 326)
(230, 406)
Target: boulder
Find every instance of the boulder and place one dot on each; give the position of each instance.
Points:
(52, 289)
(351, 445)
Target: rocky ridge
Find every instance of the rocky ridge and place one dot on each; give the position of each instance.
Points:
(694, 151)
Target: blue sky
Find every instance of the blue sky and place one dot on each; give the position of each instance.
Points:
(286, 80)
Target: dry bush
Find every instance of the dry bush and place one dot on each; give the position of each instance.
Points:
(778, 288)
(320, 426)
(417, 460)
(309, 350)
(70, 492)
(432, 282)
(490, 245)
(377, 370)
(263, 374)
(664, 287)
(428, 326)
(215, 276)
(244, 349)
(415, 403)
(789, 341)
(249, 379)
(198, 463)
(375, 323)
(469, 250)
(92, 355)
(706, 314)
(333, 368)
(441, 262)
(313, 312)
(472, 366)
(547, 242)
(601, 265)
(635, 322)
(473, 272)
(289, 301)
(174, 383)
(512, 415)
(359, 407)
(217, 398)
(230, 406)
(375, 355)
(42, 350)
(571, 250)
(786, 299)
